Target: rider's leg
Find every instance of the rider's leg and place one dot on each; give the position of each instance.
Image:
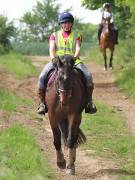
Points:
(116, 32)
(99, 31)
(90, 107)
(42, 109)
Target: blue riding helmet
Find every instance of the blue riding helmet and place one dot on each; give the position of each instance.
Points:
(66, 17)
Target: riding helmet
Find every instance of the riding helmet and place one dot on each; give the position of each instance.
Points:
(106, 5)
(66, 17)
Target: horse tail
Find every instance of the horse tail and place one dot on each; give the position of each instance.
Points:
(63, 126)
(81, 137)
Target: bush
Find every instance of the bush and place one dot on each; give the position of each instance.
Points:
(31, 48)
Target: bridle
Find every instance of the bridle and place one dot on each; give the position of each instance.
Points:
(63, 93)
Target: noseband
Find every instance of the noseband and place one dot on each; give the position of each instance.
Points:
(66, 92)
(63, 94)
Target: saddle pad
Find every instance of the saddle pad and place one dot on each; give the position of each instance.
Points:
(51, 77)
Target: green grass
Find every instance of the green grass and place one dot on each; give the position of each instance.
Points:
(125, 58)
(9, 101)
(32, 48)
(17, 65)
(108, 137)
(91, 51)
(20, 157)
(126, 80)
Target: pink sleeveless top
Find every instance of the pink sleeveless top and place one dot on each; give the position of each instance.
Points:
(64, 34)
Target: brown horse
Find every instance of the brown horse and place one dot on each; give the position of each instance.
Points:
(107, 40)
(66, 99)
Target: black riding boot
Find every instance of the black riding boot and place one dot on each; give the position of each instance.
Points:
(116, 37)
(99, 31)
(42, 109)
(90, 107)
(99, 34)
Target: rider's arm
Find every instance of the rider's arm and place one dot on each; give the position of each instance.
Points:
(102, 17)
(52, 47)
(112, 19)
(77, 48)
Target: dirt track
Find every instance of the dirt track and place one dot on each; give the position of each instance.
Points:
(87, 167)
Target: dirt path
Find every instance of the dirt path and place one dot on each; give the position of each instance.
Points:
(87, 167)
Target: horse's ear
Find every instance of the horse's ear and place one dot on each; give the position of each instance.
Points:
(73, 61)
(59, 63)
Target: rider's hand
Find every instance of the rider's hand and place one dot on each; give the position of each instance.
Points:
(54, 61)
(75, 58)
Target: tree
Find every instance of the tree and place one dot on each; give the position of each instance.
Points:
(42, 20)
(87, 30)
(7, 31)
(131, 10)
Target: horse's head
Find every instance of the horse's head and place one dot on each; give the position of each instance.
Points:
(64, 77)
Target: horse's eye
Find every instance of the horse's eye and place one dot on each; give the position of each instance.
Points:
(60, 78)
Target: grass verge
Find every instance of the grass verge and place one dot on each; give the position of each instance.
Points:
(9, 101)
(18, 65)
(109, 137)
(126, 80)
(20, 157)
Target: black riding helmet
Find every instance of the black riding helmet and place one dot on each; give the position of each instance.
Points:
(106, 5)
(66, 17)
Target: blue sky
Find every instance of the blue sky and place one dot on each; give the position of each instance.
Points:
(14, 9)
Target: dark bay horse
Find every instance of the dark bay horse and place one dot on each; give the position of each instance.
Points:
(107, 40)
(66, 99)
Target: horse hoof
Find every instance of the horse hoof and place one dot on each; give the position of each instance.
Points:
(62, 165)
(70, 171)
(105, 68)
(111, 68)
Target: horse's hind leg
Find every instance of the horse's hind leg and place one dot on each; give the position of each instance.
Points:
(61, 162)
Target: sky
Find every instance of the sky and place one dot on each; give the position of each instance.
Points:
(14, 9)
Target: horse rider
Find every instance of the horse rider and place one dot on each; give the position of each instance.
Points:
(107, 14)
(65, 41)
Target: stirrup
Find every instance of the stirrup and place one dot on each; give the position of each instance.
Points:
(42, 108)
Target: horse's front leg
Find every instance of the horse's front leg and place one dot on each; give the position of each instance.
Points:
(71, 161)
(61, 162)
(105, 58)
(111, 58)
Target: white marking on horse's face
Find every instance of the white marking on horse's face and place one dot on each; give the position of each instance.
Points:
(65, 77)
